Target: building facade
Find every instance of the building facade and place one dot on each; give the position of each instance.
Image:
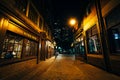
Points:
(97, 41)
(23, 33)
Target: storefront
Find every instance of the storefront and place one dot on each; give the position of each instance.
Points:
(80, 45)
(112, 20)
(80, 48)
(94, 52)
(50, 49)
(113, 27)
(17, 44)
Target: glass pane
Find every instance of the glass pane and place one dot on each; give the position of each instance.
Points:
(6, 40)
(27, 50)
(8, 55)
(14, 53)
(12, 44)
(16, 47)
(20, 48)
(18, 40)
(11, 41)
(19, 55)
(3, 54)
(94, 45)
(91, 45)
(21, 41)
(10, 47)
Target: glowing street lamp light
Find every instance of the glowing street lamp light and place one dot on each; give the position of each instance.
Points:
(72, 22)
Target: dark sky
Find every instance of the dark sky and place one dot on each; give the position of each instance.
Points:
(66, 8)
(62, 11)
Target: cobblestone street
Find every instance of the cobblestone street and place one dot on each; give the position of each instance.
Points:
(66, 68)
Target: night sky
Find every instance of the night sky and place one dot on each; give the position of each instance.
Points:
(62, 11)
(66, 8)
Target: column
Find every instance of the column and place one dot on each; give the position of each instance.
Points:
(103, 39)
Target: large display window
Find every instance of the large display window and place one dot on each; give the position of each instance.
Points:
(30, 48)
(80, 45)
(93, 40)
(12, 46)
(114, 39)
(113, 28)
(15, 46)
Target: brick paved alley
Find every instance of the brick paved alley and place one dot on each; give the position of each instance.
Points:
(64, 67)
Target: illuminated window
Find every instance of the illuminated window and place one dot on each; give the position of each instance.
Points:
(93, 40)
(114, 39)
(30, 48)
(12, 46)
(116, 36)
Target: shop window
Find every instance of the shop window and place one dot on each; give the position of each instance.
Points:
(12, 47)
(81, 46)
(113, 28)
(116, 36)
(93, 40)
(21, 5)
(114, 39)
(33, 14)
(30, 48)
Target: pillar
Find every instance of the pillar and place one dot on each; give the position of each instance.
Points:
(3, 27)
(39, 50)
(86, 47)
(103, 39)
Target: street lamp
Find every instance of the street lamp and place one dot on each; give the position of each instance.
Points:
(73, 23)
